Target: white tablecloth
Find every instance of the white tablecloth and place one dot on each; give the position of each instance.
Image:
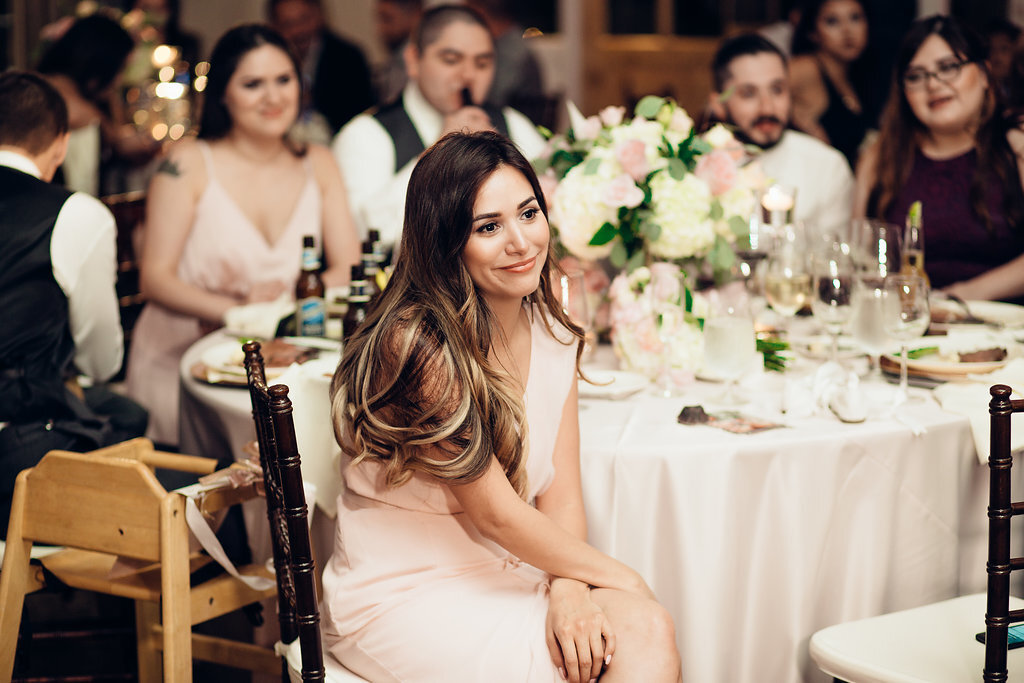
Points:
(752, 542)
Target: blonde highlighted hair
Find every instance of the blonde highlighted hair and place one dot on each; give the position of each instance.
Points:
(415, 389)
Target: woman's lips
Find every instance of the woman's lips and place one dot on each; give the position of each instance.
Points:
(522, 266)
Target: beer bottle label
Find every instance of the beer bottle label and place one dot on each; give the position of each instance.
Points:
(312, 317)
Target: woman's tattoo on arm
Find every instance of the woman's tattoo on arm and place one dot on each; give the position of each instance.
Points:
(169, 167)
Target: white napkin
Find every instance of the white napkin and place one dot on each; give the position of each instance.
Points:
(309, 390)
(971, 399)
(831, 388)
(260, 319)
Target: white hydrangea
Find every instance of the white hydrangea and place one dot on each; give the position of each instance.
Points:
(579, 211)
(681, 208)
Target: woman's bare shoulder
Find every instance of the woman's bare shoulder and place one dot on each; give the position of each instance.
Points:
(803, 71)
(183, 158)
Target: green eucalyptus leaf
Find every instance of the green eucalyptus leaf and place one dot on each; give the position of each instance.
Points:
(676, 168)
(721, 255)
(739, 226)
(540, 166)
(618, 256)
(635, 261)
(605, 234)
(717, 212)
(591, 166)
(648, 106)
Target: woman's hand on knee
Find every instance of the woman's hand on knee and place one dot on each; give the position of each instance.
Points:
(579, 635)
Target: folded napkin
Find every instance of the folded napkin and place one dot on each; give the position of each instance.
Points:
(261, 319)
(970, 399)
(831, 388)
(309, 390)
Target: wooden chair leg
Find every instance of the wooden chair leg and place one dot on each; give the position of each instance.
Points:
(15, 581)
(177, 624)
(147, 617)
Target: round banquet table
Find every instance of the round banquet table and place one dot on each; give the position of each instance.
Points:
(752, 541)
(755, 541)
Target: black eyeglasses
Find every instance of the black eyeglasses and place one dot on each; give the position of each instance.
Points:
(946, 72)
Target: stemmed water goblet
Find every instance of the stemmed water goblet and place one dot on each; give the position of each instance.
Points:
(665, 291)
(875, 249)
(729, 345)
(905, 317)
(832, 286)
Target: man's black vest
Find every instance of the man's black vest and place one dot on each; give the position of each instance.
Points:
(36, 347)
(403, 133)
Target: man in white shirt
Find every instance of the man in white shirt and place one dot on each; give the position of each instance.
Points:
(450, 62)
(57, 297)
(752, 95)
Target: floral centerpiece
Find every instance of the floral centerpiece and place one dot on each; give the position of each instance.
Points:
(656, 323)
(648, 188)
(645, 190)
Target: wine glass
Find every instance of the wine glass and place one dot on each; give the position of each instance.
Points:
(751, 248)
(665, 292)
(787, 280)
(875, 249)
(905, 317)
(729, 345)
(571, 291)
(832, 289)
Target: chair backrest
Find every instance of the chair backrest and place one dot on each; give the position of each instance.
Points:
(68, 503)
(129, 211)
(286, 514)
(1001, 510)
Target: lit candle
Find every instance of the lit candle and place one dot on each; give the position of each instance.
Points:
(777, 199)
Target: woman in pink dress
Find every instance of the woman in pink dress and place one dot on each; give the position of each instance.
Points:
(460, 551)
(226, 214)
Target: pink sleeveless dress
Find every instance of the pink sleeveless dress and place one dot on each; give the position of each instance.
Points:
(412, 592)
(226, 254)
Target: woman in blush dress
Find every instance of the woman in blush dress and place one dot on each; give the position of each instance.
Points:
(828, 74)
(947, 142)
(226, 215)
(459, 553)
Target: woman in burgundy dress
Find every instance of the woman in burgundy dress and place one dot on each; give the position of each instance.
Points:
(945, 142)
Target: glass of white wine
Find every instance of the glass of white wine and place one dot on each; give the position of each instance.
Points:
(905, 317)
(729, 345)
(787, 279)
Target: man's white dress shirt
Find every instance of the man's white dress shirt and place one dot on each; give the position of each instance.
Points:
(822, 177)
(83, 251)
(366, 154)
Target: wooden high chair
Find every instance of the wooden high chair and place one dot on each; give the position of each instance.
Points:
(125, 535)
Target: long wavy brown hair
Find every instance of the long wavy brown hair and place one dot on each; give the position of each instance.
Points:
(415, 388)
(901, 130)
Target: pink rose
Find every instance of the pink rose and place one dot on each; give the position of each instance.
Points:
(589, 129)
(665, 285)
(718, 170)
(632, 154)
(622, 191)
(612, 116)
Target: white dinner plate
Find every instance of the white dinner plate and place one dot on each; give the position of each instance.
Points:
(819, 347)
(1010, 315)
(611, 384)
(225, 357)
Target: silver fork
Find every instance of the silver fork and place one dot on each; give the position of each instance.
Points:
(969, 317)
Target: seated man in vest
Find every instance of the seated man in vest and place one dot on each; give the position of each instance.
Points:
(451, 66)
(57, 298)
(752, 96)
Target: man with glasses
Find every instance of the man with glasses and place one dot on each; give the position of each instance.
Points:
(752, 96)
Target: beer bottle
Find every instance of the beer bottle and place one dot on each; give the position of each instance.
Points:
(372, 260)
(358, 303)
(310, 308)
(912, 258)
